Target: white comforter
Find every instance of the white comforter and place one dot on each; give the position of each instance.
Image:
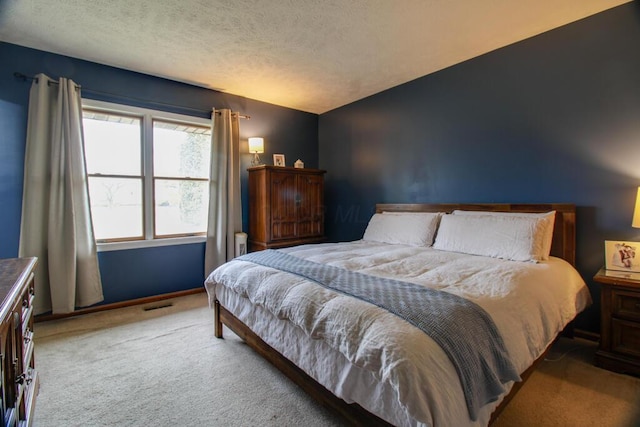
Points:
(388, 366)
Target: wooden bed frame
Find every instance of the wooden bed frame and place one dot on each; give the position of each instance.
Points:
(563, 247)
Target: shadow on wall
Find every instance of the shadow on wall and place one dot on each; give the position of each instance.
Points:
(346, 221)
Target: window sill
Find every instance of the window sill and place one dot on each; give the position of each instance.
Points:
(138, 244)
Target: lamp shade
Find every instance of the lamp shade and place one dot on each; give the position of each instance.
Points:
(256, 145)
(636, 212)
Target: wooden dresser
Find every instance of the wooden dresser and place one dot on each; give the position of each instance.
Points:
(286, 207)
(619, 323)
(19, 385)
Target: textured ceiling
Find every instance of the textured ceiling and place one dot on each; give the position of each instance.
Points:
(311, 55)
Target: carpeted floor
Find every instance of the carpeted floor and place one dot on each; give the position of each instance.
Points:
(568, 390)
(163, 367)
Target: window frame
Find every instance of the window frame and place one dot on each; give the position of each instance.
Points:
(147, 117)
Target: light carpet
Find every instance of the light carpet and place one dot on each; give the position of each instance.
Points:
(164, 367)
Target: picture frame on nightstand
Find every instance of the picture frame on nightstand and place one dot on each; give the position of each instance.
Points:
(622, 256)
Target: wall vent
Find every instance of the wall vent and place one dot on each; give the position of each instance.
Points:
(156, 307)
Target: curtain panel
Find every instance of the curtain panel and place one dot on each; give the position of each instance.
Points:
(56, 217)
(225, 208)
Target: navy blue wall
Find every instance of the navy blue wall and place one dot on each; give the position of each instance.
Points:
(555, 118)
(140, 272)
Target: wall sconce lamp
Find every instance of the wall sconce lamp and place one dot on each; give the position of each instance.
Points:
(256, 145)
(636, 212)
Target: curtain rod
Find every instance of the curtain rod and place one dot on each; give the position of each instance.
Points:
(24, 77)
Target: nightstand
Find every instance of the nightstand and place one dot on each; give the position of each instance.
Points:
(619, 322)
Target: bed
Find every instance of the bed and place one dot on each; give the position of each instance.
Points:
(361, 359)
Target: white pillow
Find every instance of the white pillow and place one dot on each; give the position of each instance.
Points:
(424, 214)
(547, 232)
(515, 238)
(408, 228)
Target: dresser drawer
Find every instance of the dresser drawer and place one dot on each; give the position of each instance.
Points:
(625, 337)
(626, 304)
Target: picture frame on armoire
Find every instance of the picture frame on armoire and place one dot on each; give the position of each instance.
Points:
(278, 159)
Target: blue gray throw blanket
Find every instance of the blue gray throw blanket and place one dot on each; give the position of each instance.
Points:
(463, 329)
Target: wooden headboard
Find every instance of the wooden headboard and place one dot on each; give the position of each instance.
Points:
(564, 231)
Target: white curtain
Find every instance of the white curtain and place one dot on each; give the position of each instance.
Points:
(225, 208)
(56, 218)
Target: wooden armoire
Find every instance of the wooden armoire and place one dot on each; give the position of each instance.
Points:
(286, 206)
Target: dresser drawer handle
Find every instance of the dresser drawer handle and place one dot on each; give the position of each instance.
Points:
(20, 379)
(24, 378)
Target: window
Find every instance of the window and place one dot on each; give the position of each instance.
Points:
(148, 174)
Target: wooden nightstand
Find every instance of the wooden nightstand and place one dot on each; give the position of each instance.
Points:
(620, 321)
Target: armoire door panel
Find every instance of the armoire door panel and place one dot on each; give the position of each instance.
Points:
(283, 230)
(311, 194)
(283, 193)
